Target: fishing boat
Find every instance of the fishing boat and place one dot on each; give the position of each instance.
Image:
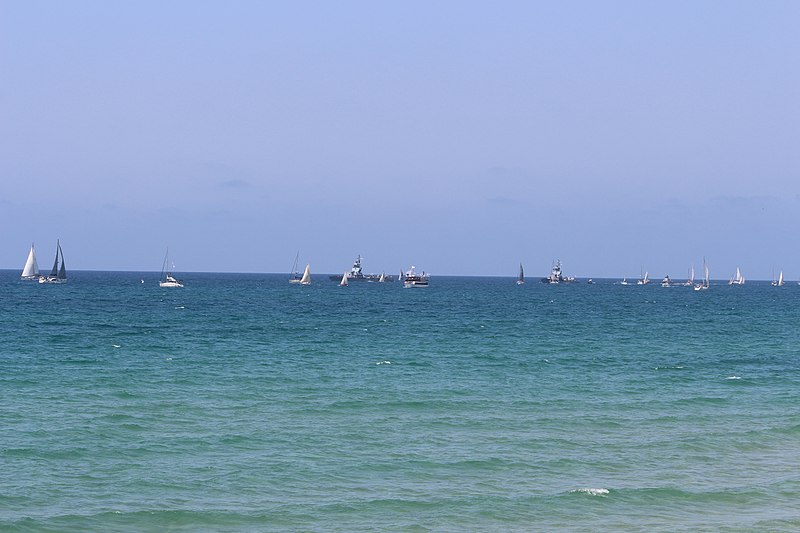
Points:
(59, 272)
(521, 278)
(31, 269)
(306, 279)
(343, 283)
(556, 276)
(737, 279)
(356, 273)
(413, 279)
(167, 279)
(703, 285)
(295, 276)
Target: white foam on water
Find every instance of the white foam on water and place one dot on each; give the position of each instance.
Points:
(115, 345)
(383, 363)
(180, 307)
(734, 377)
(591, 492)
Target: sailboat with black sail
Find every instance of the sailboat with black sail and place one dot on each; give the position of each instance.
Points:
(59, 272)
(521, 278)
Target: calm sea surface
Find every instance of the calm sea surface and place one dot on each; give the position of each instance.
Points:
(243, 403)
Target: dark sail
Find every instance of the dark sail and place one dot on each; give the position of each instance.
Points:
(62, 274)
(54, 272)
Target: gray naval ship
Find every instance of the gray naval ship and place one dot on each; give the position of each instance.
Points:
(356, 274)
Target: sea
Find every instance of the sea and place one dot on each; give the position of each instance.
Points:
(242, 403)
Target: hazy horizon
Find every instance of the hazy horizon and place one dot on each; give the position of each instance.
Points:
(461, 138)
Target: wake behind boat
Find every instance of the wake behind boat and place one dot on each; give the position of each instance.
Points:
(59, 272)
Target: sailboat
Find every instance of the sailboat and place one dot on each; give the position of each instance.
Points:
(644, 280)
(382, 279)
(306, 279)
(738, 279)
(59, 272)
(703, 285)
(343, 283)
(168, 280)
(690, 281)
(779, 281)
(295, 276)
(521, 278)
(31, 269)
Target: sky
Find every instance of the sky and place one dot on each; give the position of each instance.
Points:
(460, 137)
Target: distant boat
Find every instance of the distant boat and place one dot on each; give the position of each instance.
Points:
(413, 279)
(590, 281)
(167, 279)
(556, 276)
(59, 272)
(306, 279)
(521, 278)
(624, 281)
(666, 282)
(690, 280)
(343, 283)
(737, 279)
(644, 280)
(295, 276)
(31, 269)
(703, 285)
(382, 279)
(356, 273)
(779, 281)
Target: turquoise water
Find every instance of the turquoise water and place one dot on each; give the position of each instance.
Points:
(241, 403)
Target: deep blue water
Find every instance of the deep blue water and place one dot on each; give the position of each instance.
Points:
(243, 403)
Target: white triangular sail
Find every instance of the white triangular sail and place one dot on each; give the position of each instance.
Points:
(382, 279)
(31, 269)
(780, 279)
(306, 279)
(343, 283)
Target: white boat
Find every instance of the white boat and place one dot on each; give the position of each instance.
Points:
(556, 276)
(644, 280)
(295, 276)
(737, 279)
(521, 278)
(167, 279)
(306, 279)
(624, 281)
(690, 281)
(382, 279)
(343, 283)
(413, 279)
(59, 272)
(703, 285)
(779, 281)
(666, 282)
(31, 269)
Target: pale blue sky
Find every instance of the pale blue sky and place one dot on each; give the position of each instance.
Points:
(460, 137)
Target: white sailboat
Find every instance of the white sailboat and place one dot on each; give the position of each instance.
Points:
(779, 281)
(737, 279)
(31, 269)
(306, 279)
(703, 285)
(167, 279)
(343, 283)
(382, 279)
(690, 281)
(644, 280)
(59, 272)
(295, 276)
(521, 278)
